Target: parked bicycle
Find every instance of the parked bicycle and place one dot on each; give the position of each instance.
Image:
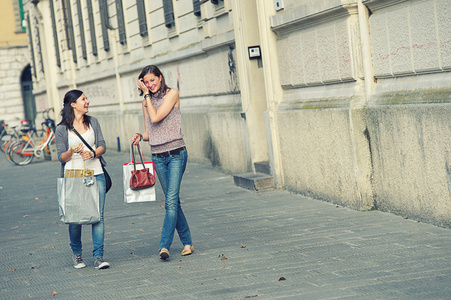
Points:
(22, 151)
(10, 133)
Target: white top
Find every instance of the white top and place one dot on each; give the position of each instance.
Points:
(76, 162)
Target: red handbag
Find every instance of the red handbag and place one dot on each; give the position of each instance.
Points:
(140, 179)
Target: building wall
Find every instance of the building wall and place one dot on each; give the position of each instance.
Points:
(355, 93)
(14, 57)
(197, 57)
(408, 115)
(386, 151)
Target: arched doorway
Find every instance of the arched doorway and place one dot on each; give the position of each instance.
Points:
(29, 105)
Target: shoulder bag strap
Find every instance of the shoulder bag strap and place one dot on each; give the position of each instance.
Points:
(83, 140)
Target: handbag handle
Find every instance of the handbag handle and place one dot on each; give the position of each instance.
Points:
(132, 153)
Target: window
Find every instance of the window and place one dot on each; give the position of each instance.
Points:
(69, 28)
(196, 7)
(169, 20)
(82, 30)
(219, 4)
(105, 23)
(55, 35)
(92, 28)
(18, 16)
(121, 22)
(142, 18)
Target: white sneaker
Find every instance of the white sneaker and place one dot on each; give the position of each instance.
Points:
(78, 262)
(100, 264)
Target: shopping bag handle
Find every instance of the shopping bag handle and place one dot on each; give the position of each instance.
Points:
(87, 145)
(83, 140)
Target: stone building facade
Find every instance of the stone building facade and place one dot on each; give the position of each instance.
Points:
(14, 66)
(347, 100)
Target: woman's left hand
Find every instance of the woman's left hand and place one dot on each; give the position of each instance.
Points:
(142, 86)
(87, 155)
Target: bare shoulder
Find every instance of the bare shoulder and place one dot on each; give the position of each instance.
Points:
(172, 93)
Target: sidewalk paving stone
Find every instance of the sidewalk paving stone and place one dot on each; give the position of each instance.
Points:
(248, 245)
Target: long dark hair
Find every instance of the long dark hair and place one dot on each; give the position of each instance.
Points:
(152, 69)
(67, 113)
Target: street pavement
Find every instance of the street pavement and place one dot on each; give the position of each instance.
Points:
(256, 245)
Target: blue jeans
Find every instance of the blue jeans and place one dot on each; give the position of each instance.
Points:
(170, 170)
(98, 229)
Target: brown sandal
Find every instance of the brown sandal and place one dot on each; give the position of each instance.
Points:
(164, 253)
(186, 252)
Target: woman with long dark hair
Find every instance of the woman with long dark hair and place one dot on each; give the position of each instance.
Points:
(74, 155)
(161, 109)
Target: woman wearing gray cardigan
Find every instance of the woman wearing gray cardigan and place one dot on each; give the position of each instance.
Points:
(73, 154)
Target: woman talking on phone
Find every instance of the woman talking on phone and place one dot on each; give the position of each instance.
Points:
(161, 109)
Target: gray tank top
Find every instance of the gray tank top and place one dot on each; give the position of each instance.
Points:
(165, 135)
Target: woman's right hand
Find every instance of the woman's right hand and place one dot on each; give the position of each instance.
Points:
(136, 138)
(142, 86)
(78, 149)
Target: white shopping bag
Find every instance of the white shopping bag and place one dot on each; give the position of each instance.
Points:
(144, 195)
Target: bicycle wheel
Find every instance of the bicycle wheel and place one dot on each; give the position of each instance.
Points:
(19, 154)
(5, 139)
(6, 149)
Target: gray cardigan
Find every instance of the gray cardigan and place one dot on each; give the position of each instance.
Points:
(62, 141)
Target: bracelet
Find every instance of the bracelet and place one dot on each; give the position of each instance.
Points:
(94, 154)
(146, 95)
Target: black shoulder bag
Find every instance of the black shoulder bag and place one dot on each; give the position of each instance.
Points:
(108, 181)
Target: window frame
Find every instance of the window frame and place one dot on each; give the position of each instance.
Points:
(121, 22)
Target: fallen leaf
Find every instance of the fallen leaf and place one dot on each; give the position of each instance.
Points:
(15, 227)
(361, 229)
(201, 283)
(245, 297)
(37, 198)
(24, 216)
(179, 267)
(29, 254)
(132, 253)
(114, 241)
(54, 293)
(109, 232)
(282, 278)
(161, 199)
(12, 270)
(223, 258)
(243, 246)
